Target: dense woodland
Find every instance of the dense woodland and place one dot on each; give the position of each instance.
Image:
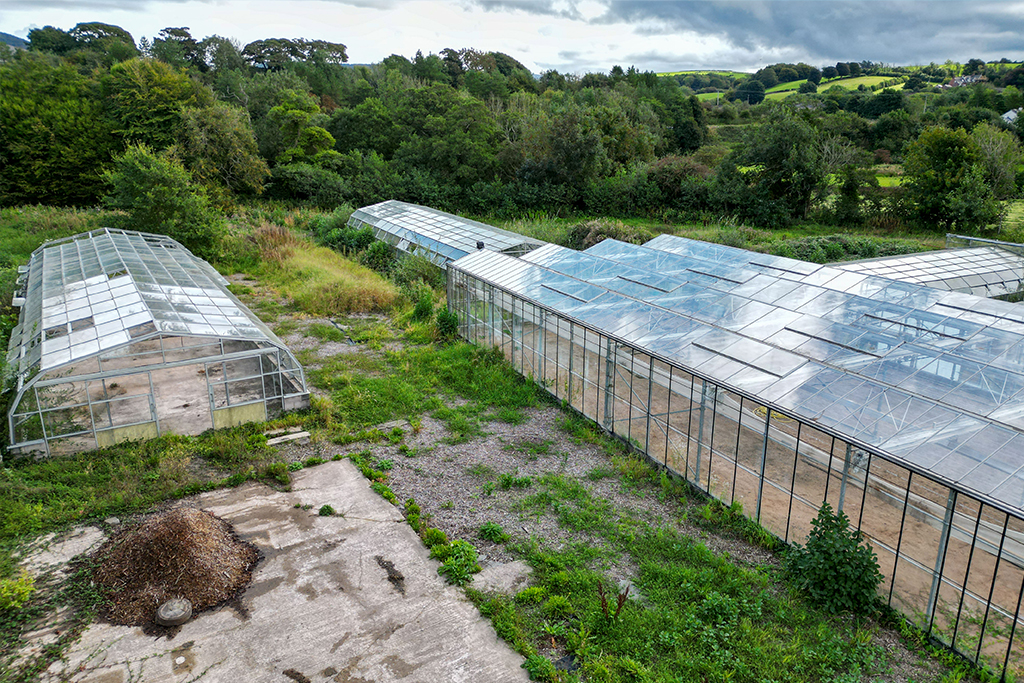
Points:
(192, 126)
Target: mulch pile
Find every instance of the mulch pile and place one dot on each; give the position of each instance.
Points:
(181, 553)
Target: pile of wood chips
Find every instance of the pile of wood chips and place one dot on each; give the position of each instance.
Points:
(181, 553)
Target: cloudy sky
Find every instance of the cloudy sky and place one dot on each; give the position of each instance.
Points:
(582, 35)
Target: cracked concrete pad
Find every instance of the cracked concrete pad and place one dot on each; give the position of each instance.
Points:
(323, 605)
(506, 578)
(56, 550)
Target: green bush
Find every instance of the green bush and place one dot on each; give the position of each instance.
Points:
(492, 531)
(277, 471)
(834, 569)
(460, 564)
(15, 592)
(326, 511)
(434, 537)
(447, 324)
(380, 256)
(424, 308)
(303, 181)
(159, 196)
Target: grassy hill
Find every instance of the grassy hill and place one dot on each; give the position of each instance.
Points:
(706, 72)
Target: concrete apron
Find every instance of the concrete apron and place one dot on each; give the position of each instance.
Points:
(321, 606)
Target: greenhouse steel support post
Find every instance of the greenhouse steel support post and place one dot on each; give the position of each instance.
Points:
(940, 561)
(792, 481)
(764, 460)
(992, 587)
(846, 474)
(609, 385)
(967, 573)
(899, 540)
(1013, 632)
(650, 394)
(700, 422)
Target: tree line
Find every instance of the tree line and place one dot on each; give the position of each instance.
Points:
(89, 115)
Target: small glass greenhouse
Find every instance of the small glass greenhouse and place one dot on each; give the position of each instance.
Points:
(127, 335)
(438, 236)
(781, 384)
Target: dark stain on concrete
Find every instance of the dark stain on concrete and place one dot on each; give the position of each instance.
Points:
(399, 666)
(341, 642)
(187, 657)
(296, 676)
(307, 590)
(263, 587)
(396, 577)
(345, 675)
(328, 672)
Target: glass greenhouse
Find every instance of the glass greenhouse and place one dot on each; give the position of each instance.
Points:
(781, 384)
(438, 236)
(972, 265)
(126, 335)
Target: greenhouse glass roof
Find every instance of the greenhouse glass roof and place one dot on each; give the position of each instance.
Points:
(443, 236)
(99, 290)
(984, 271)
(929, 378)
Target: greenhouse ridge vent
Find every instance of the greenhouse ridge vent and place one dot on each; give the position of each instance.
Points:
(128, 335)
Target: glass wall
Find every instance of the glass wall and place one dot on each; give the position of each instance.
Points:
(954, 566)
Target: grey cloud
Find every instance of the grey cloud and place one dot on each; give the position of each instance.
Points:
(822, 31)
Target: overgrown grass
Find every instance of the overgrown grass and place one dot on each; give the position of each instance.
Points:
(319, 280)
(23, 228)
(726, 231)
(691, 615)
(406, 383)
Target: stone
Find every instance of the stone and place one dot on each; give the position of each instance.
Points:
(174, 612)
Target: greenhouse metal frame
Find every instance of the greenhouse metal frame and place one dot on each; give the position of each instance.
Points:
(435, 235)
(127, 335)
(781, 384)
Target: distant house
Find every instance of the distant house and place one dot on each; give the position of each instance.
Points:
(1011, 116)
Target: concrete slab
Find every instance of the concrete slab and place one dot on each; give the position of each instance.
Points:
(352, 597)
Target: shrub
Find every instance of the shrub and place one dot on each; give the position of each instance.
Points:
(558, 606)
(587, 234)
(302, 181)
(433, 537)
(277, 471)
(531, 595)
(159, 196)
(447, 324)
(424, 308)
(460, 564)
(834, 569)
(380, 256)
(326, 511)
(15, 592)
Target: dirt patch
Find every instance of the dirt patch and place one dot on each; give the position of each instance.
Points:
(396, 577)
(181, 553)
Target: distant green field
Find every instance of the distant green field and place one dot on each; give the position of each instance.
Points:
(854, 83)
(734, 74)
(890, 180)
(789, 85)
(705, 96)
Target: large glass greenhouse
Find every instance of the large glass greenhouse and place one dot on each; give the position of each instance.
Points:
(781, 384)
(438, 236)
(126, 335)
(972, 265)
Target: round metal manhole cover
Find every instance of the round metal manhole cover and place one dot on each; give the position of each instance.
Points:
(174, 612)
